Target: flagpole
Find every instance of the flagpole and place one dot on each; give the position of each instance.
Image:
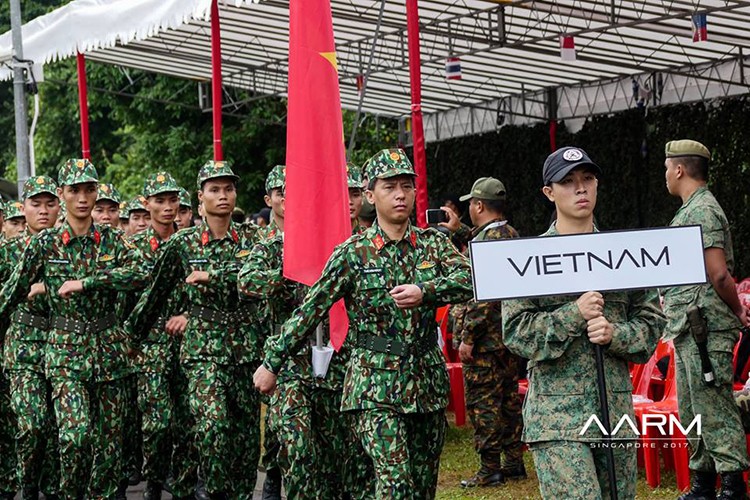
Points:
(216, 78)
(417, 128)
(83, 104)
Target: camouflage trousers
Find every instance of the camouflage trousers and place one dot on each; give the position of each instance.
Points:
(494, 407)
(8, 482)
(721, 445)
(570, 469)
(167, 430)
(404, 449)
(131, 429)
(226, 408)
(89, 420)
(317, 455)
(36, 443)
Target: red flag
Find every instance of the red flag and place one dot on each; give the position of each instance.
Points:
(317, 197)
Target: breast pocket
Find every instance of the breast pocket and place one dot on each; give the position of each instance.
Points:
(373, 294)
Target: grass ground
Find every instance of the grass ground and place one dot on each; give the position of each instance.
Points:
(460, 462)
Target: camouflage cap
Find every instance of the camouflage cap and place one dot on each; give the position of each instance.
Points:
(38, 185)
(214, 170)
(108, 192)
(486, 188)
(77, 171)
(686, 147)
(388, 163)
(276, 178)
(185, 200)
(137, 203)
(13, 209)
(124, 210)
(354, 176)
(158, 183)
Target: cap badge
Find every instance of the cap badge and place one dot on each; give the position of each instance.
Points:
(80, 163)
(160, 178)
(395, 156)
(572, 155)
(40, 180)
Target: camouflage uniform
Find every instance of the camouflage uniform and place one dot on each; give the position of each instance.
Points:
(562, 395)
(86, 352)
(220, 349)
(163, 399)
(396, 380)
(721, 447)
(491, 377)
(23, 361)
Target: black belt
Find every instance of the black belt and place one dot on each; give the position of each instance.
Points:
(82, 327)
(211, 315)
(31, 320)
(394, 346)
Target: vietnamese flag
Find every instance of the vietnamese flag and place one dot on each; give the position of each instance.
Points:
(317, 196)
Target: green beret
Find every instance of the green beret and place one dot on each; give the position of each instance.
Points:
(108, 192)
(486, 188)
(185, 199)
(13, 209)
(388, 163)
(354, 176)
(158, 183)
(276, 178)
(686, 147)
(39, 185)
(214, 170)
(77, 171)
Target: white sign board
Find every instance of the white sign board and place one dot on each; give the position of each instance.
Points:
(577, 263)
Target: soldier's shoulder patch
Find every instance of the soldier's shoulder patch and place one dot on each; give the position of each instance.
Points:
(425, 264)
(106, 258)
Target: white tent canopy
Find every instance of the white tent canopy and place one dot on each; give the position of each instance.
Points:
(511, 67)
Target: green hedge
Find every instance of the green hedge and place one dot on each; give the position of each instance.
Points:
(629, 146)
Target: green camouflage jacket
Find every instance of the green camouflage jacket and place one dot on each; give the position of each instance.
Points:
(23, 346)
(219, 328)
(85, 340)
(395, 360)
(479, 324)
(552, 334)
(701, 208)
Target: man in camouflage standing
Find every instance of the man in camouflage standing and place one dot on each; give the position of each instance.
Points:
(490, 370)
(220, 348)
(81, 266)
(392, 278)
(162, 385)
(720, 449)
(23, 362)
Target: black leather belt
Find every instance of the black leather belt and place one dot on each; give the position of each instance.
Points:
(394, 346)
(82, 327)
(211, 315)
(31, 320)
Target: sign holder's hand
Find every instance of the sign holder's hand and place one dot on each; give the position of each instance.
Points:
(600, 331)
(591, 305)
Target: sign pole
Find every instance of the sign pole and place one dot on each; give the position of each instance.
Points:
(604, 407)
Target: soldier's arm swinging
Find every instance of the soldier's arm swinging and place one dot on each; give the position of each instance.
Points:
(721, 280)
(26, 273)
(130, 275)
(261, 276)
(450, 286)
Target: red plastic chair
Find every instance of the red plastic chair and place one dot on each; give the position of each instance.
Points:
(457, 402)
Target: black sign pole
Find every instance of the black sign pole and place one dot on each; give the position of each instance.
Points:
(604, 407)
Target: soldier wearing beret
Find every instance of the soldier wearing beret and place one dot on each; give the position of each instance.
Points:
(81, 266)
(23, 361)
(720, 449)
(221, 345)
(392, 277)
(15, 222)
(490, 369)
(107, 208)
(555, 334)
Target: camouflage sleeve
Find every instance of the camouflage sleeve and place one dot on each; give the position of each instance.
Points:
(25, 273)
(6, 267)
(453, 284)
(711, 226)
(262, 273)
(462, 235)
(636, 339)
(130, 275)
(540, 335)
(475, 318)
(333, 284)
(168, 275)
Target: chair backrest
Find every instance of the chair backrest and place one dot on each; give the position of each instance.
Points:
(641, 388)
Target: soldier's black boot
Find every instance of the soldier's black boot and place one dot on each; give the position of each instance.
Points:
(152, 491)
(484, 478)
(514, 472)
(30, 494)
(733, 487)
(122, 490)
(702, 486)
(272, 485)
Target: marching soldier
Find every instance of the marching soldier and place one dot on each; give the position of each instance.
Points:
(720, 449)
(219, 351)
(15, 222)
(392, 278)
(185, 214)
(81, 266)
(138, 217)
(107, 208)
(25, 340)
(555, 334)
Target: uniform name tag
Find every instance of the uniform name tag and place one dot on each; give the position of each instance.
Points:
(59, 261)
(198, 261)
(372, 270)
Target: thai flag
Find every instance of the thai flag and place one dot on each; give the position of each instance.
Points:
(453, 68)
(700, 28)
(567, 48)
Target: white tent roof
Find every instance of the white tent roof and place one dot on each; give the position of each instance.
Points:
(508, 49)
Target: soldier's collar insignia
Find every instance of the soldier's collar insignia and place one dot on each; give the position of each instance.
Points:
(106, 258)
(425, 264)
(235, 236)
(97, 237)
(413, 238)
(65, 237)
(205, 238)
(272, 233)
(379, 242)
(243, 253)
(154, 243)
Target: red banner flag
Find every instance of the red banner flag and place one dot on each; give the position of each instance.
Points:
(317, 197)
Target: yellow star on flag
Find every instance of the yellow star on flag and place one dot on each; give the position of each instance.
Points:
(331, 58)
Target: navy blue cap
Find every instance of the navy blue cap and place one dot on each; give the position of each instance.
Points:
(561, 162)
